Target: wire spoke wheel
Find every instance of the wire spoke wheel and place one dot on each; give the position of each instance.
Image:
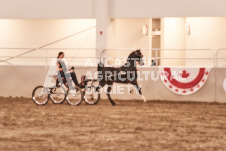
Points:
(58, 95)
(92, 92)
(75, 96)
(40, 95)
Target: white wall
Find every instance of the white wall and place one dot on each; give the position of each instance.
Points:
(173, 37)
(194, 33)
(127, 33)
(206, 32)
(36, 33)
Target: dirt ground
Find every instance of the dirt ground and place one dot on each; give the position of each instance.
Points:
(130, 125)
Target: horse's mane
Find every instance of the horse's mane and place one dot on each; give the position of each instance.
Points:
(131, 55)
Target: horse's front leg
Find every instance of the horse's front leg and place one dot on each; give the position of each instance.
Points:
(139, 90)
(108, 94)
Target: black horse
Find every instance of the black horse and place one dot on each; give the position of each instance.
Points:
(124, 74)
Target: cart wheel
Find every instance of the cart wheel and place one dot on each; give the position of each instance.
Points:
(92, 92)
(58, 95)
(40, 95)
(75, 96)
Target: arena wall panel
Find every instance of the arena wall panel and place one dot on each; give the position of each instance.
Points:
(220, 93)
(17, 81)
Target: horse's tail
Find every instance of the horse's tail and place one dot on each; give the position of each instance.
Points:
(100, 65)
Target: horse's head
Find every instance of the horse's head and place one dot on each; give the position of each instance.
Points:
(139, 56)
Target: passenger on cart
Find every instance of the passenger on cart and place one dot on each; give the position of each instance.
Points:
(62, 72)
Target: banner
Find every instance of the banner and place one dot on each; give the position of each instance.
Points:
(184, 80)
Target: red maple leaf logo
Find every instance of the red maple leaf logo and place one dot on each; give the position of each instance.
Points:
(184, 74)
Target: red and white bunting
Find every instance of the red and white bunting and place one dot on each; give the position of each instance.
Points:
(184, 80)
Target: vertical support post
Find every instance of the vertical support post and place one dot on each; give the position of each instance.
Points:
(102, 23)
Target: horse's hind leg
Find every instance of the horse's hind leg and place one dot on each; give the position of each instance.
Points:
(139, 90)
(108, 94)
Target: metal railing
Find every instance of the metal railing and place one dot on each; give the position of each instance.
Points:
(221, 55)
(184, 58)
(42, 56)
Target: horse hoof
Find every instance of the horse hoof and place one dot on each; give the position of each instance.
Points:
(113, 103)
(145, 100)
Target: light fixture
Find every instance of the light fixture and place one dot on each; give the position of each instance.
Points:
(188, 30)
(145, 30)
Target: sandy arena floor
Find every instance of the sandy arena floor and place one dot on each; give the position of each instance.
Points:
(131, 125)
